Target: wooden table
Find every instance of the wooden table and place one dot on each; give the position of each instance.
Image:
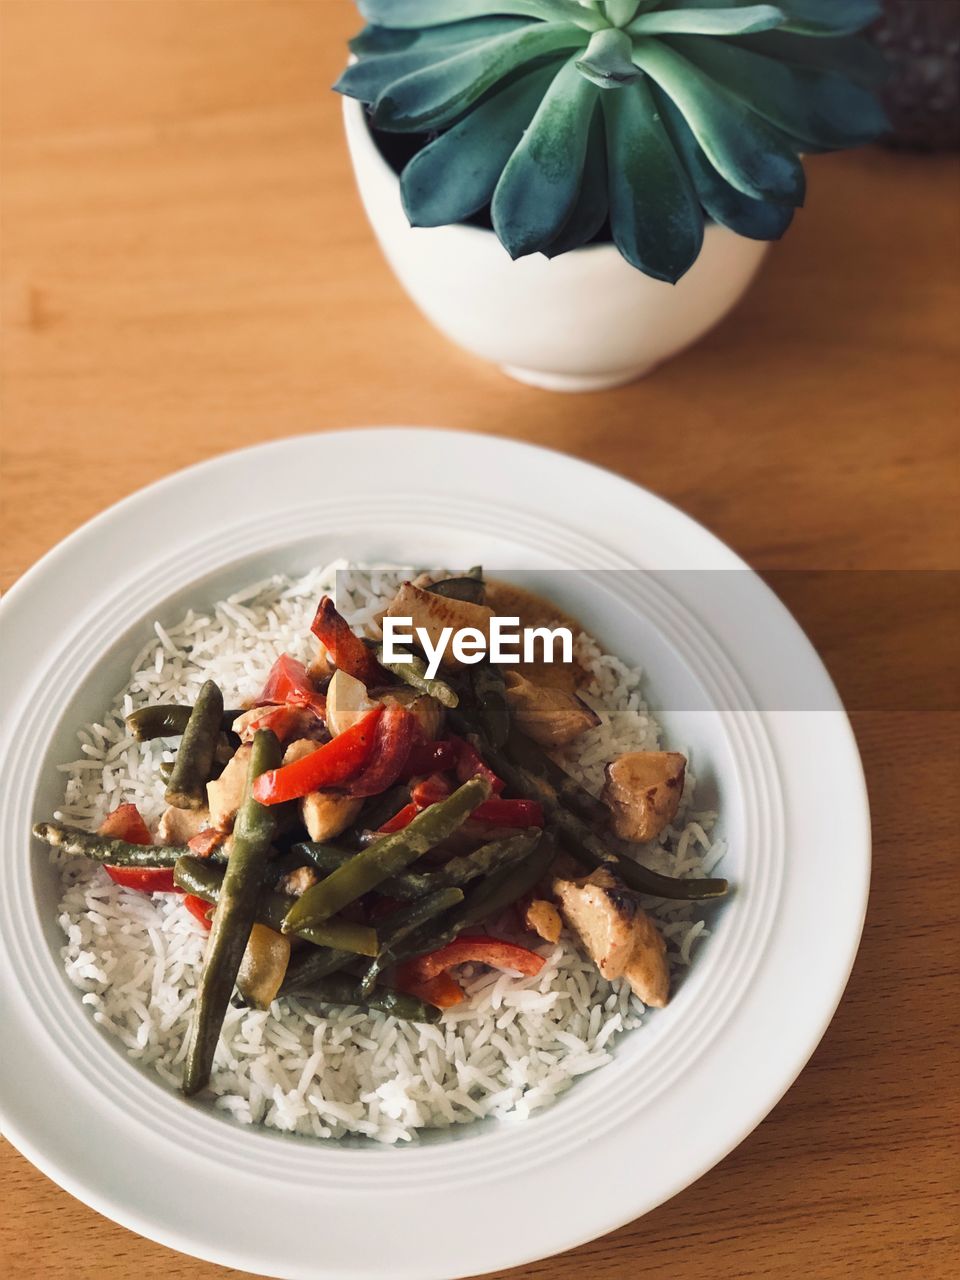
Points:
(186, 269)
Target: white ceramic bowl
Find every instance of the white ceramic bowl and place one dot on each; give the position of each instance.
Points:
(682, 1090)
(580, 322)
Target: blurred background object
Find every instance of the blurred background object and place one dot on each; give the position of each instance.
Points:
(921, 39)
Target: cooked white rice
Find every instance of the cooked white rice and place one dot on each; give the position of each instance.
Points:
(511, 1048)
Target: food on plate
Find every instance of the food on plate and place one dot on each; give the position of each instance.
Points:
(368, 900)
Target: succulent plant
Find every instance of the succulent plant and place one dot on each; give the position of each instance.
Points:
(566, 117)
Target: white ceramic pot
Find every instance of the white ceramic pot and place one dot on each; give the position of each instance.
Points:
(580, 322)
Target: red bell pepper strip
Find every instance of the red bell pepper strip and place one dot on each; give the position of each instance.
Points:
(429, 790)
(347, 650)
(146, 879)
(197, 907)
(399, 820)
(469, 764)
(329, 766)
(430, 757)
(288, 682)
(509, 813)
(395, 734)
(125, 823)
(204, 843)
(441, 990)
(474, 948)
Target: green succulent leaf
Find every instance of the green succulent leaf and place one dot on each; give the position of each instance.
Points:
(367, 78)
(456, 174)
(752, 156)
(817, 107)
(655, 217)
(376, 40)
(806, 17)
(619, 12)
(433, 13)
(541, 181)
(590, 211)
(755, 219)
(437, 95)
(851, 56)
(710, 22)
(608, 59)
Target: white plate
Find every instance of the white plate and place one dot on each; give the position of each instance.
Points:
(682, 1091)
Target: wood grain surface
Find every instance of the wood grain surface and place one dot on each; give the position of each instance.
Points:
(186, 269)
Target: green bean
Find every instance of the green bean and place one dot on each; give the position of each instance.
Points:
(310, 966)
(378, 809)
(340, 989)
(386, 856)
(198, 877)
(400, 924)
(166, 720)
(413, 671)
(233, 918)
(118, 853)
(488, 898)
(414, 884)
(529, 755)
(584, 844)
(194, 763)
(490, 693)
(165, 769)
(463, 588)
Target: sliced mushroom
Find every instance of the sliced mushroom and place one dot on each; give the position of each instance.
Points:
(553, 717)
(617, 934)
(263, 967)
(643, 791)
(177, 826)
(433, 613)
(543, 919)
(225, 794)
(328, 813)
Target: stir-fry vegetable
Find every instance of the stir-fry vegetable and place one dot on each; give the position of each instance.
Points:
(186, 788)
(475, 948)
(442, 991)
(233, 918)
(413, 671)
(166, 720)
(401, 923)
(118, 853)
(463, 588)
(288, 681)
(263, 966)
(490, 694)
(393, 738)
(206, 882)
(329, 766)
(386, 857)
(347, 650)
(338, 989)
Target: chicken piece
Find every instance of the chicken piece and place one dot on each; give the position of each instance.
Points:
(177, 826)
(297, 882)
(225, 794)
(299, 748)
(643, 790)
(433, 613)
(543, 919)
(325, 814)
(551, 716)
(328, 813)
(617, 934)
(347, 702)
